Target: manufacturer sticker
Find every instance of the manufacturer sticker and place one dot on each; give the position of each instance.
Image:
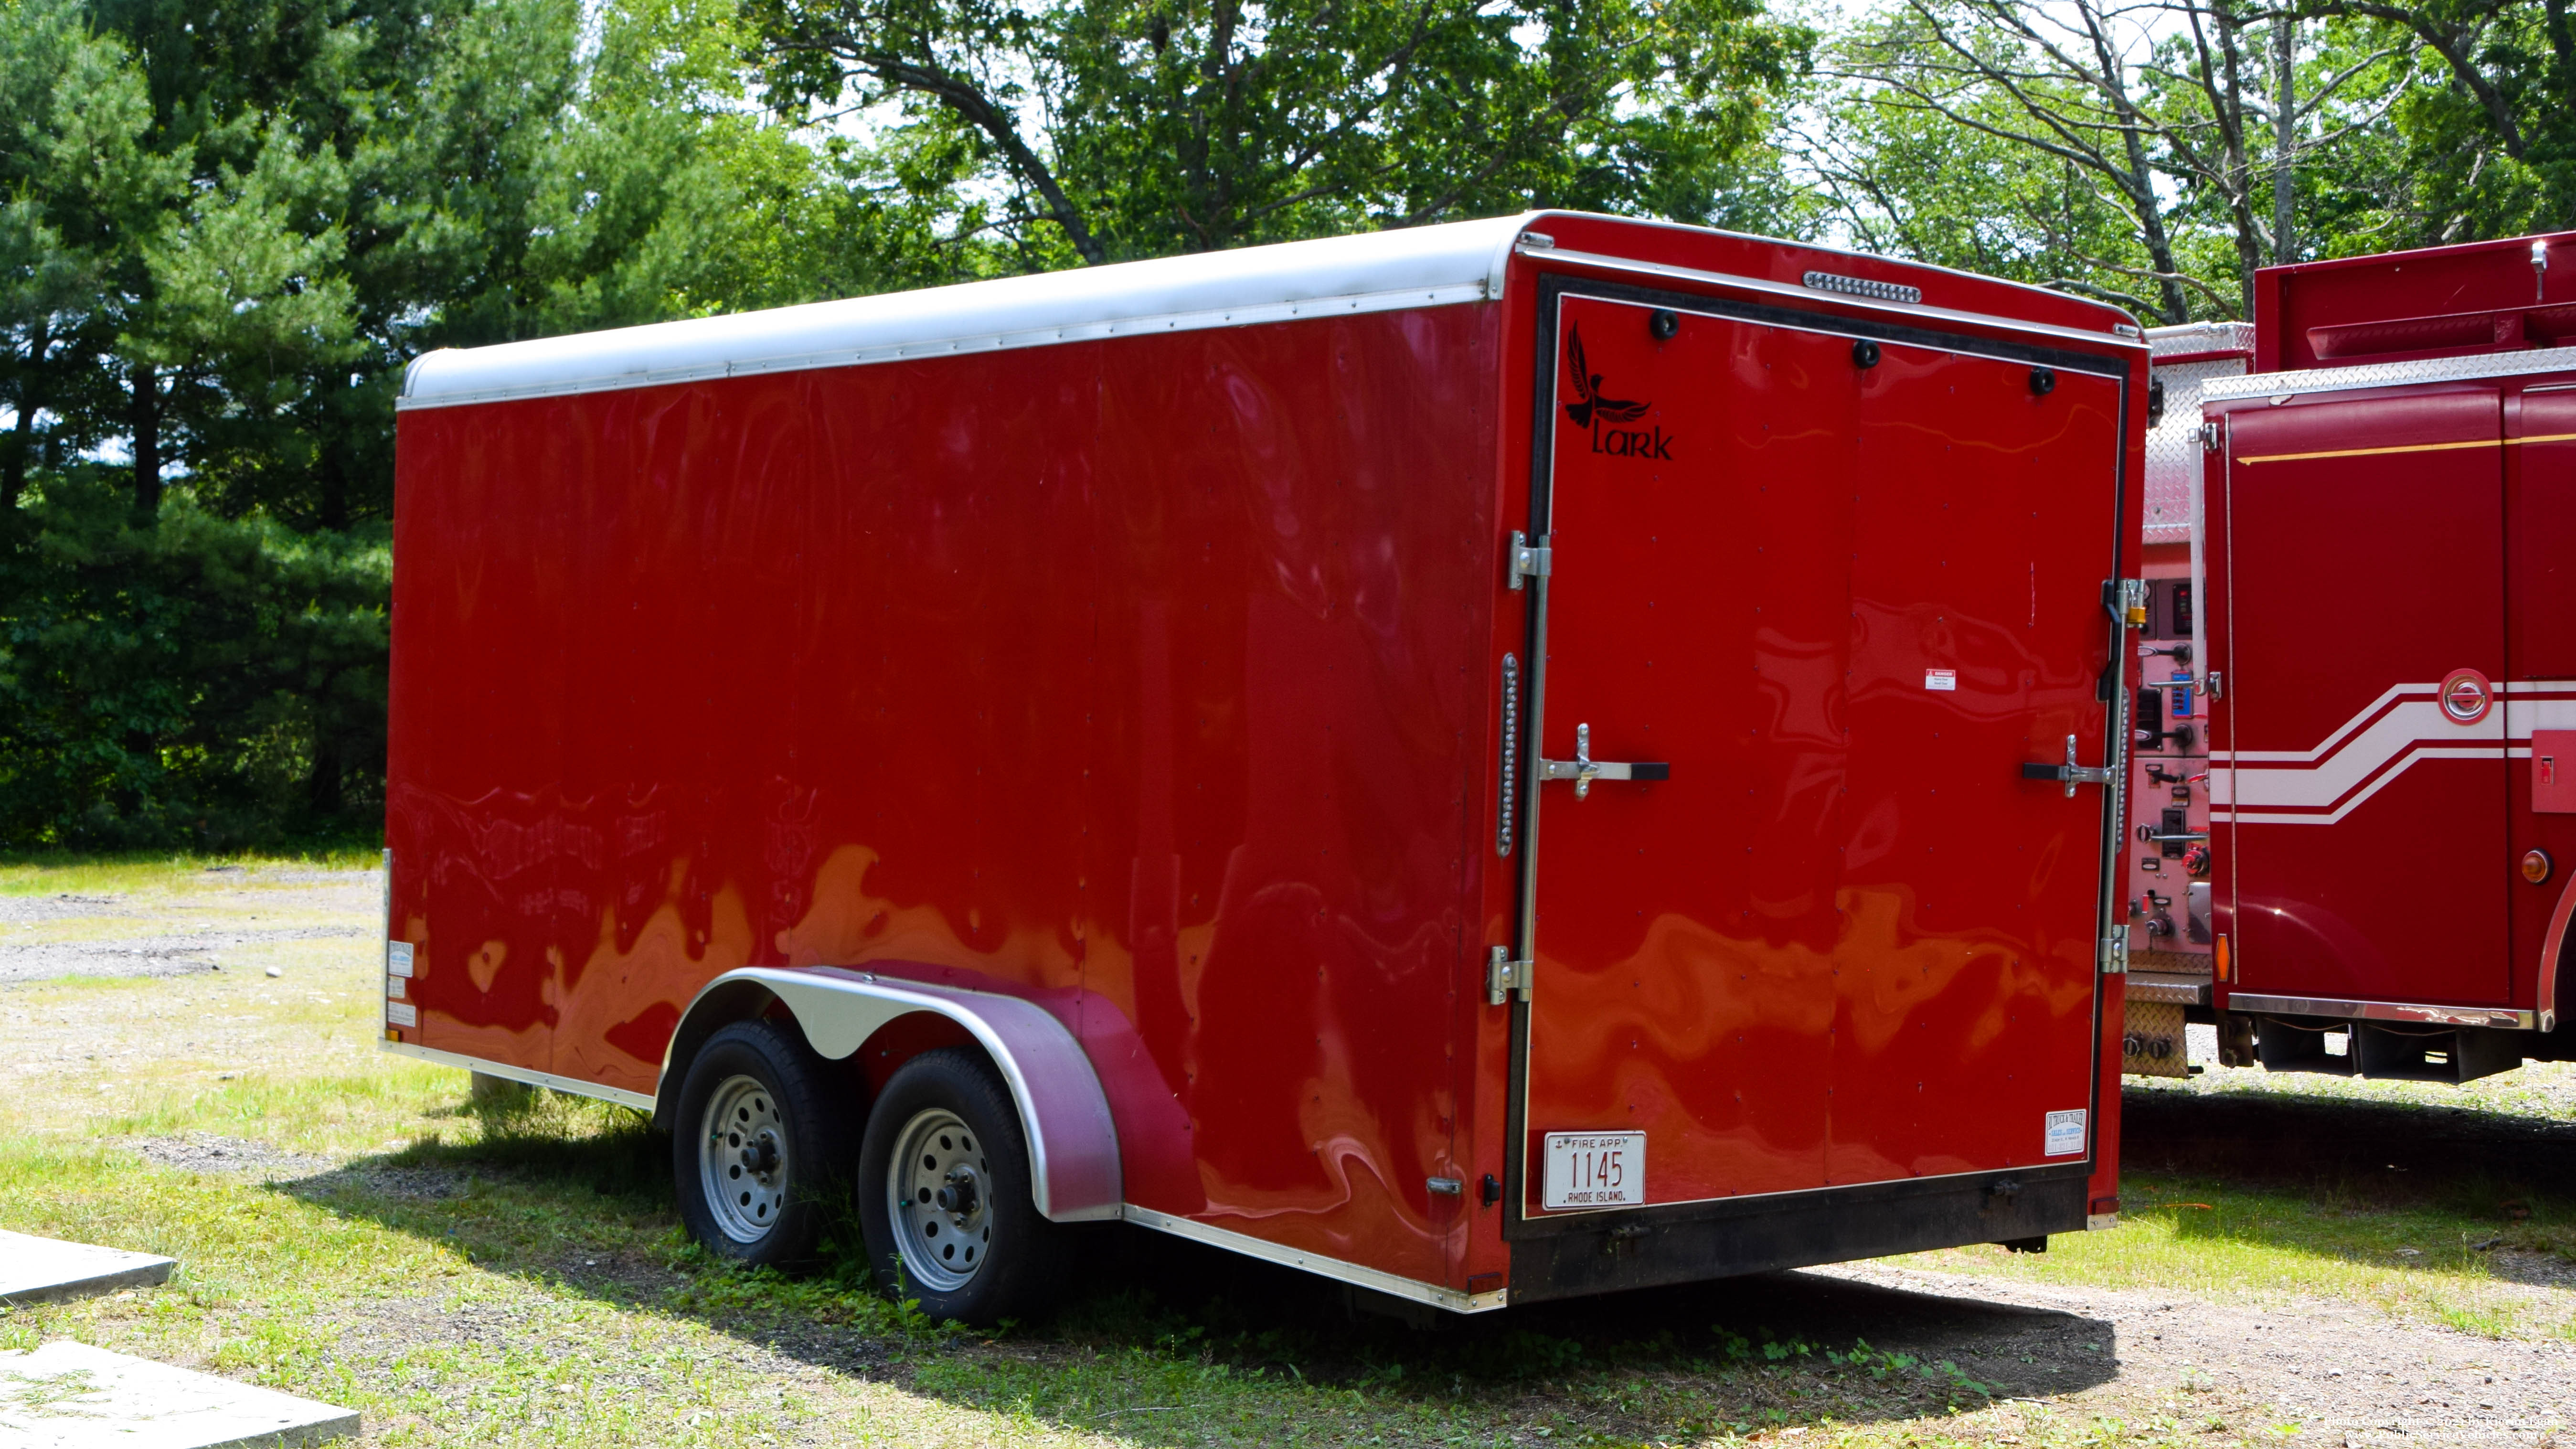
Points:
(2065, 1136)
(1945, 679)
(398, 958)
(1594, 1169)
(401, 1013)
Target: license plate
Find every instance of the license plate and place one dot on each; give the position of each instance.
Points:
(1594, 1169)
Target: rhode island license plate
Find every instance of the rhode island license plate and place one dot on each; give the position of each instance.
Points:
(1594, 1169)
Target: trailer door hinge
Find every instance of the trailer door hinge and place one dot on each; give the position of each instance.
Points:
(2217, 685)
(1504, 977)
(2070, 772)
(2126, 599)
(1529, 560)
(2209, 439)
(2115, 955)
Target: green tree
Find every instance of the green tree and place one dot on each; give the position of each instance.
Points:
(85, 196)
(1095, 130)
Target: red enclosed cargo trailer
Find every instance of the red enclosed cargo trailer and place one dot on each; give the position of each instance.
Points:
(2389, 641)
(1490, 762)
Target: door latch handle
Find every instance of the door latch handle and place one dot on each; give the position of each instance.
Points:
(1583, 769)
(2070, 772)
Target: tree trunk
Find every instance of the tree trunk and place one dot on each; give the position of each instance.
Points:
(2285, 49)
(147, 442)
(13, 451)
(322, 786)
(22, 438)
(335, 492)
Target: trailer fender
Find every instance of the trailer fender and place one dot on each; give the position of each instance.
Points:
(1073, 1141)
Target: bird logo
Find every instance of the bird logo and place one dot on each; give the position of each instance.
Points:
(1590, 408)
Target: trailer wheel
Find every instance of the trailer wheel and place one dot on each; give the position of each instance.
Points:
(761, 1155)
(944, 1197)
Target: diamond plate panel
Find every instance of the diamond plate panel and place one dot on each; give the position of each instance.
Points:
(2173, 446)
(2153, 1045)
(2391, 374)
(2194, 337)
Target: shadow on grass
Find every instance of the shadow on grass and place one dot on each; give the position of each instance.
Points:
(579, 1197)
(2384, 1153)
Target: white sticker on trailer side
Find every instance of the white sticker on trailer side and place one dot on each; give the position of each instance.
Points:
(1594, 1169)
(398, 958)
(1942, 679)
(401, 1013)
(2065, 1134)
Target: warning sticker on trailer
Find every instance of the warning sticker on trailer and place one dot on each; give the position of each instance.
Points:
(2065, 1134)
(1940, 679)
(1594, 1169)
(401, 1013)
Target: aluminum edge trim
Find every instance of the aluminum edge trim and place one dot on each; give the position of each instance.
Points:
(619, 1095)
(1347, 305)
(1335, 1268)
(2504, 1016)
(1810, 296)
(2390, 374)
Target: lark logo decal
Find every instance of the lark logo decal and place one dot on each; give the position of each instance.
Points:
(1593, 412)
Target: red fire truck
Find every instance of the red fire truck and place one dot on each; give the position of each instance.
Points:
(1489, 762)
(2347, 840)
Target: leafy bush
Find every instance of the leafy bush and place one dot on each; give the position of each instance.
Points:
(194, 681)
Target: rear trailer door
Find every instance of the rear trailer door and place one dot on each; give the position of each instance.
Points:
(1829, 934)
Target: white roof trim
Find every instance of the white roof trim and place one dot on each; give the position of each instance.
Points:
(1428, 266)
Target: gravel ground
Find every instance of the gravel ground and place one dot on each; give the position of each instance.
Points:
(2330, 1368)
(206, 1152)
(43, 937)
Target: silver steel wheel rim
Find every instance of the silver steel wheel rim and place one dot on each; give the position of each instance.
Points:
(743, 1163)
(939, 1199)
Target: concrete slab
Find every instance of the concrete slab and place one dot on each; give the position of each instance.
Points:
(68, 1395)
(41, 1270)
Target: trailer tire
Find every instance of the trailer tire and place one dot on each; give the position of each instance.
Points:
(944, 1199)
(765, 1184)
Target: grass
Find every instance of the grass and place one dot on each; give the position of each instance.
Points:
(2424, 1261)
(164, 872)
(514, 1274)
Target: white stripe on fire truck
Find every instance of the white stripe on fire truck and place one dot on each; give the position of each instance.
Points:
(2380, 742)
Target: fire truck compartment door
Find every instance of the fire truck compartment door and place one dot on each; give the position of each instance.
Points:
(1840, 938)
(2367, 842)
